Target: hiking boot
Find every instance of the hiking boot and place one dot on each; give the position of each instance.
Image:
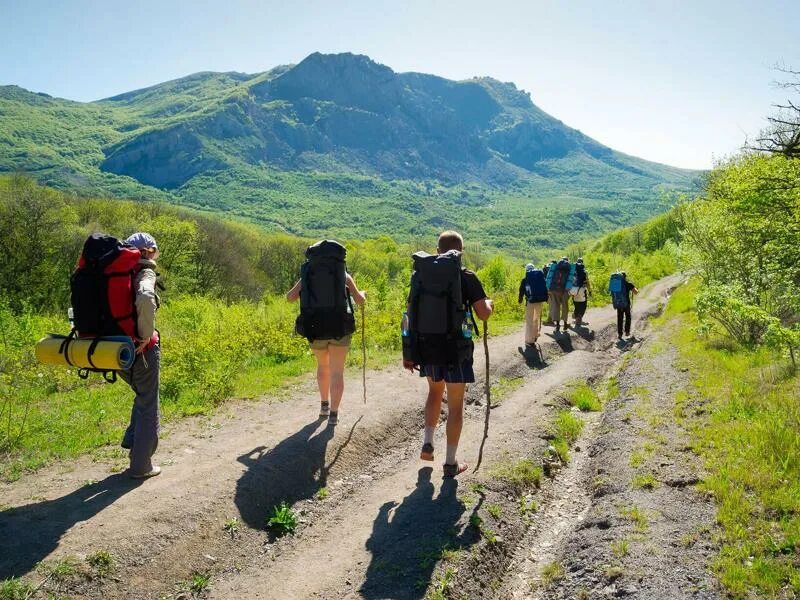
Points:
(558, 328)
(333, 418)
(566, 325)
(324, 409)
(427, 452)
(453, 470)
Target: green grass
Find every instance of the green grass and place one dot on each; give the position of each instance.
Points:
(504, 386)
(199, 582)
(584, 397)
(495, 510)
(321, 493)
(636, 516)
(102, 562)
(551, 573)
(231, 526)
(645, 481)
(523, 474)
(749, 437)
(15, 589)
(620, 548)
(283, 520)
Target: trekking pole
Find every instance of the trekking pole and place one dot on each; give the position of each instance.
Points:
(488, 395)
(364, 351)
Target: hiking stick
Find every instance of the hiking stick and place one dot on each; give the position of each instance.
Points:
(488, 395)
(363, 352)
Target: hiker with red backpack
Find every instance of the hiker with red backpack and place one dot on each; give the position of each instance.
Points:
(326, 292)
(113, 296)
(533, 288)
(620, 289)
(437, 331)
(559, 277)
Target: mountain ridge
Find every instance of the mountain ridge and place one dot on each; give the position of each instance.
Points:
(323, 132)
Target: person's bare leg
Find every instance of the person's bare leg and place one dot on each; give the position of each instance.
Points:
(455, 418)
(338, 356)
(433, 405)
(323, 374)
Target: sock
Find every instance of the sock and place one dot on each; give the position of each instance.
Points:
(451, 454)
(428, 437)
(334, 413)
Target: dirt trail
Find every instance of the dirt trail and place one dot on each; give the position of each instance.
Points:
(379, 533)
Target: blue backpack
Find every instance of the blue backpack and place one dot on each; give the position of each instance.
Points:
(619, 291)
(535, 286)
(558, 276)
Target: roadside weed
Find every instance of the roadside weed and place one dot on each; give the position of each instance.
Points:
(199, 582)
(636, 516)
(283, 520)
(101, 561)
(523, 474)
(551, 573)
(231, 526)
(645, 481)
(495, 510)
(15, 589)
(584, 397)
(620, 548)
(322, 493)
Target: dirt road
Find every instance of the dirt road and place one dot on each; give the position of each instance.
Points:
(386, 525)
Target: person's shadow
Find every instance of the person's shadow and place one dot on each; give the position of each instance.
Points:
(564, 341)
(30, 533)
(533, 356)
(408, 539)
(584, 332)
(293, 470)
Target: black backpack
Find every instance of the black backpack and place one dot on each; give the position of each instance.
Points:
(437, 311)
(326, 310)
(580, 275)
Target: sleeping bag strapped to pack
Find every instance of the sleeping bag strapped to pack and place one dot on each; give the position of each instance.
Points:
(618, 288)
(560, 276)
(436, 312)
(326, 310)
(535, 286)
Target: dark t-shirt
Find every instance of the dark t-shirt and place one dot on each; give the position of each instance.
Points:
(628, 289)
(471, 287)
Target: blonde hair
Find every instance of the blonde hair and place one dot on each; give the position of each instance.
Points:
(450, 240)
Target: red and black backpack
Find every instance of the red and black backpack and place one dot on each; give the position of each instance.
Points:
(102, 288)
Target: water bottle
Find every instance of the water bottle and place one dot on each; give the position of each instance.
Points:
(71, 317)
(466, 327)
(404, 329)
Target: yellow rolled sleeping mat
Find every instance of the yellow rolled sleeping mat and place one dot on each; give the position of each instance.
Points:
(112, 353)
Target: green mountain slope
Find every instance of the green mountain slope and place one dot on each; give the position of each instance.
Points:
(340, 145)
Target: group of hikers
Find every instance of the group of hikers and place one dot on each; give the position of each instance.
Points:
(437, 328)
(558, 281)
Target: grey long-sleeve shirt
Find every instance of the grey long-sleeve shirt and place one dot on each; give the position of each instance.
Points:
(146, 299)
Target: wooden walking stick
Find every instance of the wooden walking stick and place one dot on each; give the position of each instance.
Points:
(364, 351)
(488, 395)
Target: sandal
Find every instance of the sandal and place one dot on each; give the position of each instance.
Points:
(427, 452)
(453, 470)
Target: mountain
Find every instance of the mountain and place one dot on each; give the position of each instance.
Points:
(336, 144)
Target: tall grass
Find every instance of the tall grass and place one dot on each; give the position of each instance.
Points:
(749, 437)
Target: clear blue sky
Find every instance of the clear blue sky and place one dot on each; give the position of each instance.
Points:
(679, 82)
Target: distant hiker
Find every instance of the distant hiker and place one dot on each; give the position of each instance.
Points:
(437, 334)
(620, 289)
(545, 270)
(580, 292)
(326, 319)
(558, 285)
(141, 436)
(533, 288)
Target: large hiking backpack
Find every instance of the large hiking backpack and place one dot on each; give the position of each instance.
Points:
(436, 312)
(559, 280)
(102, 288)
(549, 271)
(619, 291)
(326, 310)
(535, 286)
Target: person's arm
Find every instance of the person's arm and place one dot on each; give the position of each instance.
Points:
(294, 294)
(521, 290)
(146, 305)
(483, 308)
(358, 295)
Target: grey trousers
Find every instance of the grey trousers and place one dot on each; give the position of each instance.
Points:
(559, 306)
(141, 437)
